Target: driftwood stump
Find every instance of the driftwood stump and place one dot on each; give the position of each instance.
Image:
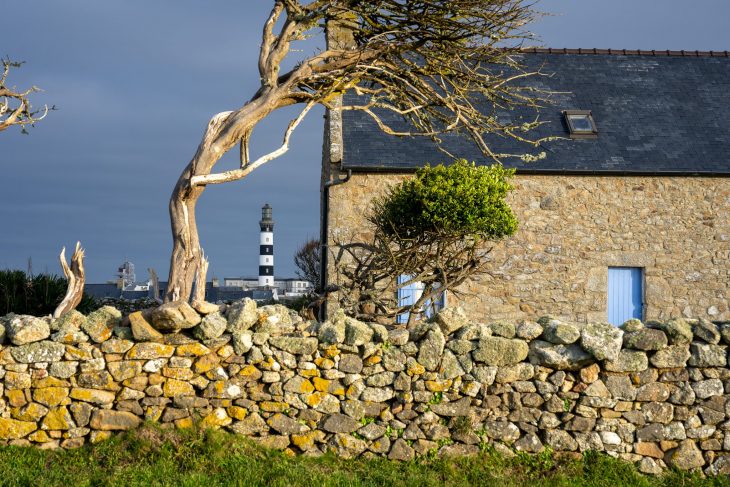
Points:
(76, 279)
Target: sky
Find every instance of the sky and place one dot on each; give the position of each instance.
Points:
(136, 82)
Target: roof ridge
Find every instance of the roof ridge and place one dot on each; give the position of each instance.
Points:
(626, 52)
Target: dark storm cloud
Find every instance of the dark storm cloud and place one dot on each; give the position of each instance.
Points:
(137, 81)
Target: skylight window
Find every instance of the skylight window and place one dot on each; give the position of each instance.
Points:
(581, 124)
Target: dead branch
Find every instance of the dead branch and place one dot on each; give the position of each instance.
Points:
(15, 108)
(76, 279)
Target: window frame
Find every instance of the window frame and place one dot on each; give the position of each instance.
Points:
(580, 134)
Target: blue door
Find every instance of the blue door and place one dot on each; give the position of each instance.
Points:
(407, 295)
(625, 294)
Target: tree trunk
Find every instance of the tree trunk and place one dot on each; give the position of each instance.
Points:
(224, 131)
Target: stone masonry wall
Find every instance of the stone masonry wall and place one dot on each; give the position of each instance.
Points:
(654, 393)
(572, 228)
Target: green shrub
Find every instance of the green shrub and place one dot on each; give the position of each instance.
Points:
(460, 199)
(35, 295)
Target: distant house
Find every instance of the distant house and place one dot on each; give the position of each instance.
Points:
(628, 216)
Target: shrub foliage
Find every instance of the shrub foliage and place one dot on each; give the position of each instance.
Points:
(36, 295)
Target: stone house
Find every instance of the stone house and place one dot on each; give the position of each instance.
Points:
(629, 213)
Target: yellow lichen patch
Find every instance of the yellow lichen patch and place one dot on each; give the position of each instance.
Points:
(155, 379)
(331, 352)
(177, 373)
(50, 382)
(336, 388)
(237, 412)
(268, 363)
(75, 353)
(16, 398)
(17, 380)
(320, 384)
(150, 350)
(58, 419)
(184, 423)
(39, 436)
(6, 357)
(31, 412)
(12, 429)
(174, 387)
(305, 441)
(307, 373)
(50, 396)
(438, 386)
(416, 369)
(250, 373)
(324, 363)
(153, 413)
(192, 350)
(124, 370)
(313, 400)
(373, 359)
(206, 363)
(97, 436)
(216, 419)
(273, 406)
(94, 396)
(225, 351)
(306, 387)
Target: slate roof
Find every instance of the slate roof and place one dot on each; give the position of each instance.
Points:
(665, 112)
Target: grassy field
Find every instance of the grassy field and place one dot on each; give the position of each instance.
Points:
(151, 456)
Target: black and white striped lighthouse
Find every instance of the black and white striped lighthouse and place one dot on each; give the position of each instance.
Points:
(266, 248)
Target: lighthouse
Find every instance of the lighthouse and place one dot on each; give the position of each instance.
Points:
(266, 248)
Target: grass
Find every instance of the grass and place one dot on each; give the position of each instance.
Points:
(152, 456)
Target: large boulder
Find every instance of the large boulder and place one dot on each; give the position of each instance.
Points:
(357, 333)
(333, 330)
(142, 330)
(707, 355)
(175, 316)
(671, 357)
(706, 331)
(451, 319)
(212, 326)
(100, 324)
(44, 351)
(242, 315)
(500, 351)
(557, 332)
(602, 340)
(431, 348)
(274, 319)
(23, 329)
(645, 339)
(678, 330)
(559, 357)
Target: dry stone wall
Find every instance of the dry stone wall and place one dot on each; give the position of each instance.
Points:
(654, 393)
(571, 229)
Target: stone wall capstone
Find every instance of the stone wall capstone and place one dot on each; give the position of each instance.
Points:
(653, 393)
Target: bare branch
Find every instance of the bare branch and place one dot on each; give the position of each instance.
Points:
(241, 173)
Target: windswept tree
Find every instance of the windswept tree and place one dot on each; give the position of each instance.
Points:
(15, 106)
(434, 62)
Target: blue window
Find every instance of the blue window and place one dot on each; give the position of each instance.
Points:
(410, 293)
(625, 294)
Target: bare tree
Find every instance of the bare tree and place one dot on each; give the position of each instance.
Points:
(308, 261)
(15, 107)
(431, 61)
